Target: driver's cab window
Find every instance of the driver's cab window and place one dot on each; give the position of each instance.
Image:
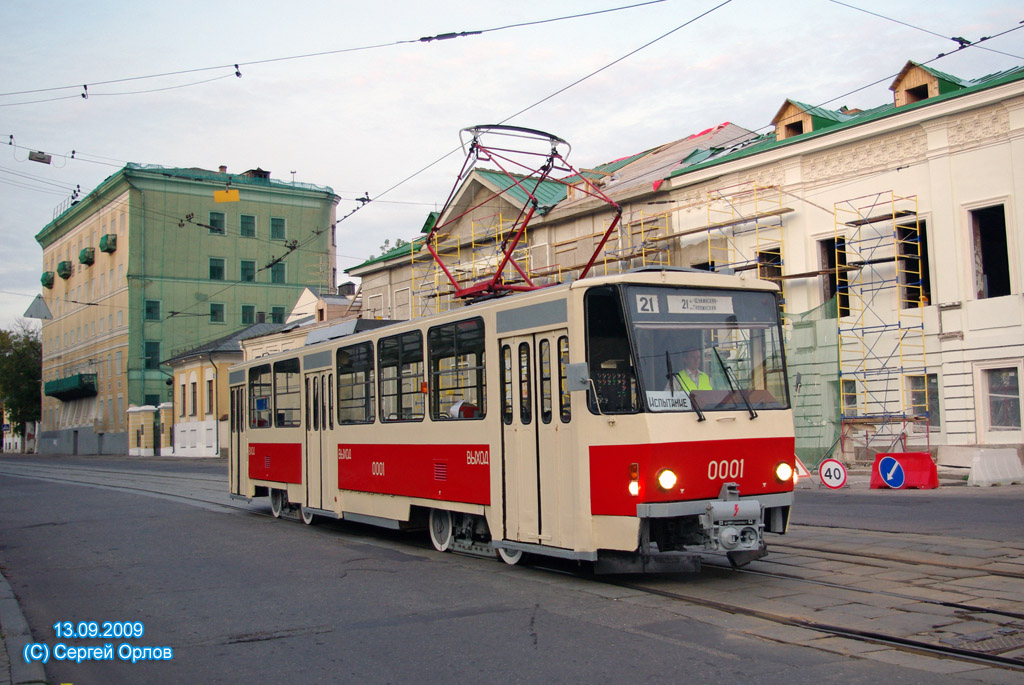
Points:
(609, 355)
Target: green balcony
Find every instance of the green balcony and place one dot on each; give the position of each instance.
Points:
(71, 387)
(47, 279)
(87, 256)
(108, 242)
(64, 269)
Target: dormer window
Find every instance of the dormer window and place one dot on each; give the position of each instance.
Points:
(794, 129)
(916, 94)
(916, 82)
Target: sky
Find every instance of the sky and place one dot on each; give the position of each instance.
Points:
(366, 108)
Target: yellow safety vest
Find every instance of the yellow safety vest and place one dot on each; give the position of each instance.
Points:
(687, 384)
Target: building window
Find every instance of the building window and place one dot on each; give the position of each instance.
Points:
(832, 252)
(216, 312)
(276, 228)
(849, 399)
(152, 354)
(991, 258)
(193, 410)
(209, 396)
(181, 410)
(247, 226)
(277, 314)
(923, 398)
(248, 313)
(216, 269)
(1002, 398)
(914, 270)
(216, 223)
(247, 272)
(277, 273)
(152, 310)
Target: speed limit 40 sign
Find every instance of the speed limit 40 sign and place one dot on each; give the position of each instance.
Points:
(832, 474)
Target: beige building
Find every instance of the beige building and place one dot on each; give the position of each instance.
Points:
(905, 219)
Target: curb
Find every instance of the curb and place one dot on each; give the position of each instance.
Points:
(16, 635)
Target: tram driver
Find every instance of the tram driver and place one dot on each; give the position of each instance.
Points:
(692, 376)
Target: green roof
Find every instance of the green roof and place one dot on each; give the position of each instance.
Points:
(547, 192)
(768, 141)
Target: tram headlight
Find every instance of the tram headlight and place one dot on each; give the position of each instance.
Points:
(667, 479)
(634, 480)
(783, 472)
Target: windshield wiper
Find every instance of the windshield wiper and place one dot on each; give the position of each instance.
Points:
(734, 383)
(672, 380)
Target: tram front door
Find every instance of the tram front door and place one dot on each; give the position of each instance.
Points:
(536, 446)
(319, 419)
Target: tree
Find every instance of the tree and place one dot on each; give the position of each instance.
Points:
(388, 247)
(21, 374)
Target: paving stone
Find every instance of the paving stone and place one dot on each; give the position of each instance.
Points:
(921, 662)
(905, 624)
(785, 634)
(845, 646)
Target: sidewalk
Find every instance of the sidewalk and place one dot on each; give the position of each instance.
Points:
(14, 635)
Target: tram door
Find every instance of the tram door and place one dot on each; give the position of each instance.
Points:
(238, 461)
(533, 453)
(319, 419)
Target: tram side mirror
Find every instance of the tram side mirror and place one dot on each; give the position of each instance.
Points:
(578, 377)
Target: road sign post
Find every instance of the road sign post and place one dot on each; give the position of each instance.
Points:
(832, 474)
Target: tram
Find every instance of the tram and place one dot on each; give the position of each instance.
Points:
(636, 421)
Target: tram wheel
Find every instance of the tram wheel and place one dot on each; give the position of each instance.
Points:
(307, 516)
(510, 556)
(440, 529)
(277, 503)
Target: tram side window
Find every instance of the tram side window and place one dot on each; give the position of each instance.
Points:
(456, 354)
(260, 389)
(545, 381)
(401, 377)
(609, 355)
(506, 384)
(355, 384)
(565, 411)
(287, 394)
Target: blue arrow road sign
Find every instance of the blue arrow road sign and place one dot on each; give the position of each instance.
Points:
(891, 472)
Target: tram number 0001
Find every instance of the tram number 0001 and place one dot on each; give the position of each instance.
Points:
(725, 469)
(377, 468)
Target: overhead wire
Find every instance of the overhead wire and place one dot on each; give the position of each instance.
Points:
(237, 66)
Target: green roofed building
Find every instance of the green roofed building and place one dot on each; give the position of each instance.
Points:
(159, 260)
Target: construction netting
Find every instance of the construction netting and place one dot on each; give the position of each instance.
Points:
(813, 358)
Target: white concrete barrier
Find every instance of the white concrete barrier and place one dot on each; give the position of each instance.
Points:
(996, 467)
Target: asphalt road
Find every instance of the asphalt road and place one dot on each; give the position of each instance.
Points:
(240, 597)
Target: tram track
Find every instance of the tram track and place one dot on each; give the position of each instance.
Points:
(893, 556)
(903, 643)
(78, 475)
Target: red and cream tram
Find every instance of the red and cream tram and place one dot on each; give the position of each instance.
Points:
(635, 421)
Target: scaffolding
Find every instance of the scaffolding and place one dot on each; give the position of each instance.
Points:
(736, 213)
(880, 301)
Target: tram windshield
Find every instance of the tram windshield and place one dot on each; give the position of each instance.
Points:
(693, 349)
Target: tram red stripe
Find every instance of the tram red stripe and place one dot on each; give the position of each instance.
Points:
(451, 473)
(277, 462)
(702, 467)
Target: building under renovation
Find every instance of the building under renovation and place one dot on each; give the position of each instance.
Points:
(156, 261)
(895, 233)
